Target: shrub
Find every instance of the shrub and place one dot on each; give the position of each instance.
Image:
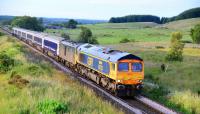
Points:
(6, 62)
(86, 36)
(66, 36)
(51, 107)
(176, 36)
(195, 34)
(125, 40)
(24, 111)
(176, 51)
(1, 34)
(159, 47)
(35, 70)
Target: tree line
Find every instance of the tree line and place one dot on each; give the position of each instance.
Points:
(191, 13)
(135, 18)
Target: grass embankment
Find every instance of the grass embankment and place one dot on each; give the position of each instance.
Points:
(46, 88)
(179, 86)
(113, 33)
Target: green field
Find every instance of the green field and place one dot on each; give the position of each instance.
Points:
(45, 84)
(179, 86)
(109, 33)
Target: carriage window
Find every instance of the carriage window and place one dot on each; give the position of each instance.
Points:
(136, 67)
(38, 40)
(123, 67)
(29, 36)
(23, 34)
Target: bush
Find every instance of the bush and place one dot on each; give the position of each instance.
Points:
(176, 51)
(66, 36)
(6, 63)
(125, 40)
(1, 34)
(195, 34)
(71, 24)
(51, 107)
(24, 111)
(176, 36)
(86, 36)
(35, 70)
(159, 47)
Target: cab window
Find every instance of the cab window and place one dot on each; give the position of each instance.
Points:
(123, 67)
(136, 67)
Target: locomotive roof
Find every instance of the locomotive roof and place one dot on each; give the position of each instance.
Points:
(25, 30)
(70, 43)
(106, 53)
(46, 36)
(56, 39)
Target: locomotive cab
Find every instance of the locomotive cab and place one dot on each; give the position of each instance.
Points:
(130, 73)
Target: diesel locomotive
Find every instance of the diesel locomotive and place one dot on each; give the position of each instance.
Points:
(119, 72)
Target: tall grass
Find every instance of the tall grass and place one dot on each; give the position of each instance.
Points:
(45, 82)
(179, 76)
(187, 100)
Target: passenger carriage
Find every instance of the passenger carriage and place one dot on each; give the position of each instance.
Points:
(38, 40)
(51, 45)
(18, 33)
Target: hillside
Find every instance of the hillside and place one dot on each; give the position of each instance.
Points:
(190, 13)
(185, 24)
(113, 33)
(32, 85)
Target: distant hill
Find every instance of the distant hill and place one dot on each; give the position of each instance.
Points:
(61, 20)
(5, 17)
(56, 20)
(191, 13)
(185, 24)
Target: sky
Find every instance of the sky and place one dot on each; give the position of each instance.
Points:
(94, 9)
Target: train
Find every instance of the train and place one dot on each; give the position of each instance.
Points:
(119, 72)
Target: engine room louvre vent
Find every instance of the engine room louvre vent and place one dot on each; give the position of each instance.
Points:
(110, 51)
(88, 46)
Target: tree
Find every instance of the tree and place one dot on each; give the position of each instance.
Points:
(28, 22)
(195, 34)
(66, 36)
(71, 24)
(125, 40)
(176, 51)
(176, 36)
(86, 36)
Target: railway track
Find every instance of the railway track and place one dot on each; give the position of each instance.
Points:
(138, 105)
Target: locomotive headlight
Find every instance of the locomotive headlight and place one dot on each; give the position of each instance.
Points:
(140, 81)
